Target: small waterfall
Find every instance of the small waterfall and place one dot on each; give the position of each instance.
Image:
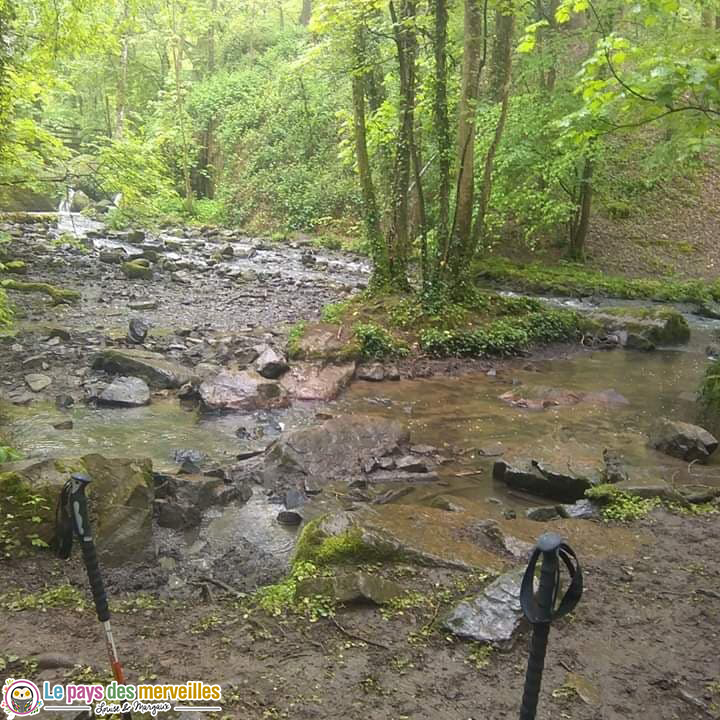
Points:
(65, 206)
(117, 199)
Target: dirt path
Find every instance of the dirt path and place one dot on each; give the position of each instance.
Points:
(644, 640)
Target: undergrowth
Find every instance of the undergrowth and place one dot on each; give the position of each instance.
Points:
(616, 504)
(573, 280)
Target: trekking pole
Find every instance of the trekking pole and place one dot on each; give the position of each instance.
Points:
(540, 609)
(72, 519)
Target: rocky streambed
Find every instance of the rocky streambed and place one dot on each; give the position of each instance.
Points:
(169, 383)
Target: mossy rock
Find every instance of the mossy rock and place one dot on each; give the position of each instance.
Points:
(120, 500)
(137, 269)
(16, 267)
(322, 341)
(709, 398)
(646, 328)
(59, 295)
(333, 540)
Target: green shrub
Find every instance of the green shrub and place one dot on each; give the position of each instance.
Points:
(377, 343)
(502, 337)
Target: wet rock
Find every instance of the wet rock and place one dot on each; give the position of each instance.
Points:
(580, 510)
(697, 494)
(126, 391)
(310, 381)
(64, 401)
(411, 464)
(37, 382)
(151, 367)
(643, 328)
(307, 258)
(245, 356)
(334, 450)
(121, 500)
(392, 373)
(137, 331)
(566, 484)
(354, 587)
(494, 615)
(227, 251)
(289, 517)
(371, 373)
(243, 390)
(170, 514)
(139, 269)
(148, 304)
(423, 450)
(80, 201)
(614, 467)
(15, 267)
(542, 514)
(271, 364)
(682, 440)
(64, 425)
(649, 488)
(112, 257)
(708, 309)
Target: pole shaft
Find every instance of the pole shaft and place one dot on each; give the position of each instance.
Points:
(538, 644)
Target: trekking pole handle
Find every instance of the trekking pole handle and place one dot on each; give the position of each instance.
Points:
(81, 521)
(548, 546)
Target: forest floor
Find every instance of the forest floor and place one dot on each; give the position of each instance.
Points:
(674, 232)
(641, 644)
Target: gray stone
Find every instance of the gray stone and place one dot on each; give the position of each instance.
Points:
(335, 450)
(289, 517)
(580, 510)
(271, 364)
(494, 615)
(351, 588)
(682, 440)
(37, 382)
(565, 484)
(697, 494)
(371, 373)
(310, 381)
(542, 514)
(151, 367)
(411, 464)
(243, 390)
(148, 304)
(137, 331)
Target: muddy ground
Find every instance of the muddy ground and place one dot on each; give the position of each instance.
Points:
(643, 641)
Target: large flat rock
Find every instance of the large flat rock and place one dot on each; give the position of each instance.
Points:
(313, 381)
(157, 372)
(244, 390)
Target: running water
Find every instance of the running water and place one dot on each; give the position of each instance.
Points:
(74, 223)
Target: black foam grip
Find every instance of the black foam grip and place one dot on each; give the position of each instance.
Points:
(96, 582)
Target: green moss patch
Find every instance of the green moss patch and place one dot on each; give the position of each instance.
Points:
(58, 295)
(572, 280)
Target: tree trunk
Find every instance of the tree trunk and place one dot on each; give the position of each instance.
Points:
(442, 123)
(508, 25)
(177, 58)
(576, 250)
(378, 249)
(406, 45)
(473, 62)
(306, 13)
(122, 78)
(502, 43)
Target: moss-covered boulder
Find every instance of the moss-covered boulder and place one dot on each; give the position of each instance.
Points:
(322, 341)
(120, 499)
(139, 269)
(642, 328)
(16, 267)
